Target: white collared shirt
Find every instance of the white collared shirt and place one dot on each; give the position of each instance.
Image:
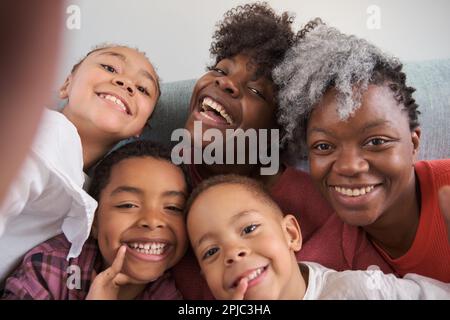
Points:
(47, 196)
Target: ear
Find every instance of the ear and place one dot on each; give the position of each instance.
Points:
(292, 232)
(64, 90)
(94, 228)
(415, 139)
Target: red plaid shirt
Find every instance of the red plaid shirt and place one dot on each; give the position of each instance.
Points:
(46, 274)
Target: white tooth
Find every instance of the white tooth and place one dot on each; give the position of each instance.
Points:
(146, 246)
(338, 189)
(141, 246)
(362, 191)
(355, 192)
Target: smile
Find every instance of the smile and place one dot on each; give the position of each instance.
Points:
(214, 111)
(122, 105)
(250, 277)
(150, 248)
(354, 192)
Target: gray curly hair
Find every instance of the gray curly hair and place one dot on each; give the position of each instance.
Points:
(324, 58)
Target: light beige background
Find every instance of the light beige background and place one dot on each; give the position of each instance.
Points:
(176, 34)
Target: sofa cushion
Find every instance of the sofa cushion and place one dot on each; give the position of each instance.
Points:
(432, 82)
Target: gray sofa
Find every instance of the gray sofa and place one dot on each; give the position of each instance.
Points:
(430, 78)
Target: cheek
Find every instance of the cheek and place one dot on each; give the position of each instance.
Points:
(214, 278)
(398, 168)
(257, 116)
(146, 106)
(110, 229)
(318, 166)
(179, 229)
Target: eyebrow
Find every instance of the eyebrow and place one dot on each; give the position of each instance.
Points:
(376, 123)
(320, 130)
(233, 219)
(115, 54)
(127, 189)
(143, 72)
(370, 125)
(134, 190)
(173, 193)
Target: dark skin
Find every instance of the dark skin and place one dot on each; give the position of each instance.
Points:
(249, 101)
(374, 147)
(374, 150)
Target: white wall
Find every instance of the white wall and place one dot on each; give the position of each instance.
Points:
(176, 34)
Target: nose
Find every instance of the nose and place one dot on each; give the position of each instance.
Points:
(229, 85)
(350, 162)
(151, 219)
(235, 254)
(125, 84)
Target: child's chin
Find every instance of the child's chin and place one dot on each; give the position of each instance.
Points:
(144, 277)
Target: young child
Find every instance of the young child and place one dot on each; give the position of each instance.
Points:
(247, 251)
(110, 95)
(351, 105)
(137, 235)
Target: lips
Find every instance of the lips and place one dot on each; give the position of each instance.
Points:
(215, 111)
(116, 100)
(148, 249)
(252, 276)
(355, 196)
(354, 191)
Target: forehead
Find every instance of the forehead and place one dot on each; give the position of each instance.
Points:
(253, 71)
(224, 201)
(130, 56)
(377, 104)
(147, 173)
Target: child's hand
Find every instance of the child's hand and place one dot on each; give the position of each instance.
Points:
(106, 284)
(444, 204)
(240, 290)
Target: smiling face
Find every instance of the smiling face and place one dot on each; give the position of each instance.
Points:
(112, 92)
(229, 96)
(142, 207)
(364, 165)
(246, 238)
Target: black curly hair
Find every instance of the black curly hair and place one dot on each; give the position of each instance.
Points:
(135, 149)
(256, 30)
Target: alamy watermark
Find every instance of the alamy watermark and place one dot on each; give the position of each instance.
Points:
(235, 146)
(73, 21)
(374, 19)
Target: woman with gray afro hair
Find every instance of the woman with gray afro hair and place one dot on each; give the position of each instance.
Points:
(323, 58)
(349, 103)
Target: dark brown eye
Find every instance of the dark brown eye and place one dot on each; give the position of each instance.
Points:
(377, 141)
(323, 147)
